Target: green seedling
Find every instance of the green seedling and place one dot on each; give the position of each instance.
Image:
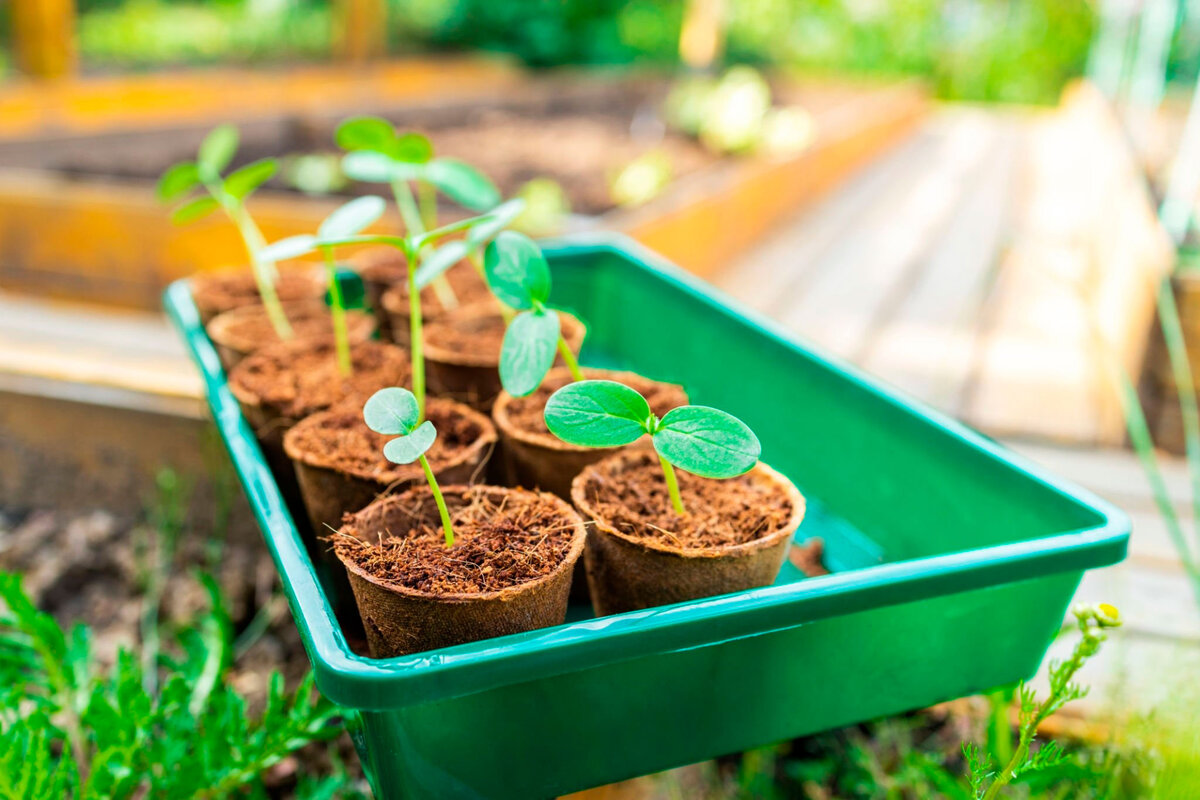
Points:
(346, 222)
(701, 440)
(519, 277)
(425, 262)
(228, 193)
(395, 412)
(381, 154)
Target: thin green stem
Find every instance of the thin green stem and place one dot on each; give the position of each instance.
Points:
(337, 308)
(569, 358)
(428, 197)
(672, 485)
(447, 528)
(264, 272)
(414, 225)
(416, 345)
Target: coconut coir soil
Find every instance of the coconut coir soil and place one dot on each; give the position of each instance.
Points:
(498, 544)
(340, 440)
(464, 280)
(721, 513)
(223, 291)
(300, 378)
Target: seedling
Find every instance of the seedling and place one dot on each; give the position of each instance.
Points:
(424, 262)
(519, 276)
(395, 412)
(701, 440)
(229, 194)
(381, 154)
(345, 222)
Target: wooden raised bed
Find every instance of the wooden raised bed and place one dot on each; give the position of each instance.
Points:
(78, 216)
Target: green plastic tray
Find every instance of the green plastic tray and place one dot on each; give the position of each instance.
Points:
(953, 564)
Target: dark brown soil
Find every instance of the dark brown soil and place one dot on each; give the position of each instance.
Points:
(464, 280)
(382, 264)
(497, 545)
(214, 292)
(340, 440)
(721, 513)
(300, 378)
(528, 413)
(248, 328)
(474, 337)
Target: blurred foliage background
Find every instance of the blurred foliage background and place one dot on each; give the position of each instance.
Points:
(1020, 51)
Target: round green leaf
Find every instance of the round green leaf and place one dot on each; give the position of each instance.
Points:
(241, 182)
(365, 133)
(407, 449)
(178, 181)
(190, 212)
(597, 414)
(291, 247)
(369, 167)
(392, 411)
(495, 221)
(516, 270)
(412, 148)
(351, 218)
(706, 442)
(217, 149)
(528, 351)
(462, 183)
(440, 260)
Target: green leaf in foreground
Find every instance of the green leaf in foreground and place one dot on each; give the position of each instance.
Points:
(706, 442)
(242, 182)
(528, 351)
(597, 414)
(517, 271)
(291, 247)
(177, 181)
(351, 218)
(407, 449)
(392, 412)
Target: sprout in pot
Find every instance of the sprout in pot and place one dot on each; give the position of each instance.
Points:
(696, 514)
(437, 566)
(381, 154)
(520, 277)
(220, 292)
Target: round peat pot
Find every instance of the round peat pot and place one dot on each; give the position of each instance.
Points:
(641, 554)
(537, 459)
(462, 352)
(280, 385)
(217, 292)
(240, 332)
(341, 468)
(469, 290)
(509, 570)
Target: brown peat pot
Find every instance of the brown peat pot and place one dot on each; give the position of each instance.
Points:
(640, 554)
(224, 290)
(537, 459)
(241, 331)
(469, 287)
(509, 570)
(462, 352)
(341, 468)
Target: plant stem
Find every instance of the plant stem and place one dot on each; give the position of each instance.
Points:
(428, 197)
(569, 357)
(414, 225)
(264, 272)
(416, 346)
(337, 307)
(437, 498)
(672, 485)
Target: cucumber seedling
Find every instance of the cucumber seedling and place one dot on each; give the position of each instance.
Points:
(519, 277)
(703, 441)
(424, 261)
(381, 154)
(228, 193)
(395, 412)
(346, 222)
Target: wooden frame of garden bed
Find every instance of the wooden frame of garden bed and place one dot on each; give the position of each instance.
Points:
(110, 241)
